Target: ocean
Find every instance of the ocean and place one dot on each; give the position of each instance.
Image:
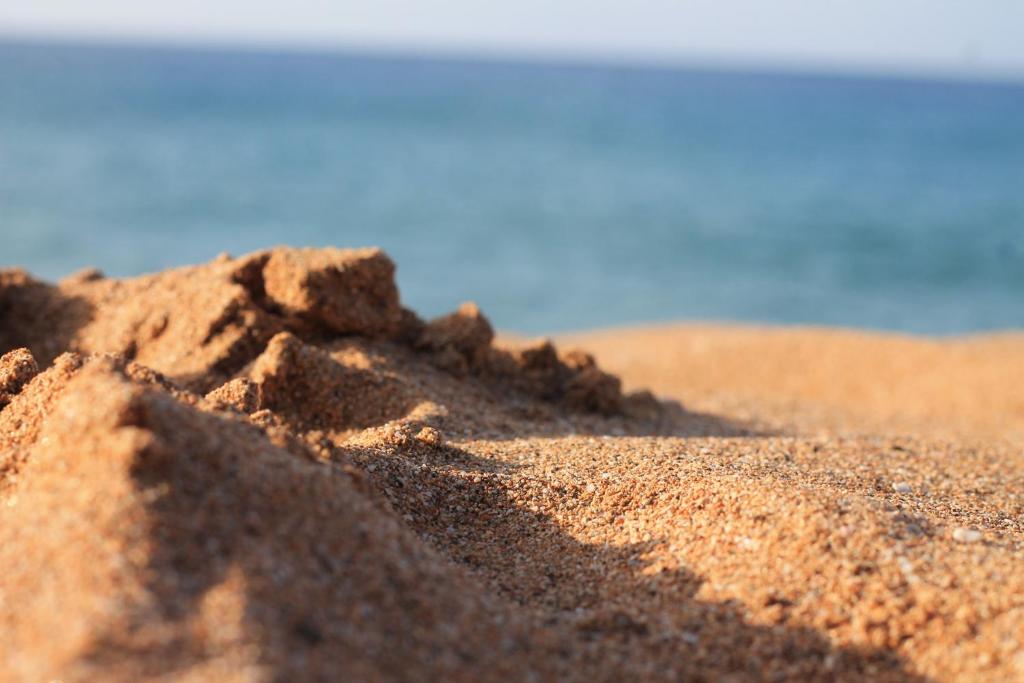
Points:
(556, 196)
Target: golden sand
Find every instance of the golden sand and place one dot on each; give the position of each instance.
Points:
(265, 468)
(828, 379)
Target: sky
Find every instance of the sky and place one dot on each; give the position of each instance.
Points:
(961, 37)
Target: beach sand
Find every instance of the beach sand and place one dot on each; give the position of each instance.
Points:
(830, 380)
(265, 468)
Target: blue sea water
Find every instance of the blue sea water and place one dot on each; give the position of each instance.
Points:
(557, 197)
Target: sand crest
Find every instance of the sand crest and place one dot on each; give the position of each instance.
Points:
(265, 468)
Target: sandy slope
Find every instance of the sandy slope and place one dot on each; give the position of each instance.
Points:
(265, 469)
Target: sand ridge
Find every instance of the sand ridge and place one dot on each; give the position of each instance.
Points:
(265, 468)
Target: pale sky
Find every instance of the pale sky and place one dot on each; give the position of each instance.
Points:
(967, 37)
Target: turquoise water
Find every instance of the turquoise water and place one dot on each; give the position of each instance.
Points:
(557, 197)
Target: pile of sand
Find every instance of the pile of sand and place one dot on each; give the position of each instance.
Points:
(265, 468)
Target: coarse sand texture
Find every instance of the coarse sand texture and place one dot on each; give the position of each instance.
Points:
(265, 468)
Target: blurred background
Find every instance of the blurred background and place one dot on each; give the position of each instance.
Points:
(594, 164)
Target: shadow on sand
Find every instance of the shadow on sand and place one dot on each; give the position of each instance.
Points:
(594, 612)
(222, 502)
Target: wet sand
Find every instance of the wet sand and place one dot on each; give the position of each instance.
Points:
(265, 468)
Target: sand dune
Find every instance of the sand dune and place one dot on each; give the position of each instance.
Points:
(265, 468)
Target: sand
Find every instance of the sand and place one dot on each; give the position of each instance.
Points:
(265, 468)
(840, 381)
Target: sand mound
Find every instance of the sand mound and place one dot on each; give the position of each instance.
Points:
(174, 540)
(265, 468)
(311, 389)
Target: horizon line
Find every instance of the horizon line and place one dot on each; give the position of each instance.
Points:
(526, 57)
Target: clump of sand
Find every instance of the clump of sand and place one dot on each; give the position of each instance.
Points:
(16, 369)
(265, 468)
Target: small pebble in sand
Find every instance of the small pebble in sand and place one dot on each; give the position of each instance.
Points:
(901, 487)
(965, 535)
(430, 436)
(397, 434)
